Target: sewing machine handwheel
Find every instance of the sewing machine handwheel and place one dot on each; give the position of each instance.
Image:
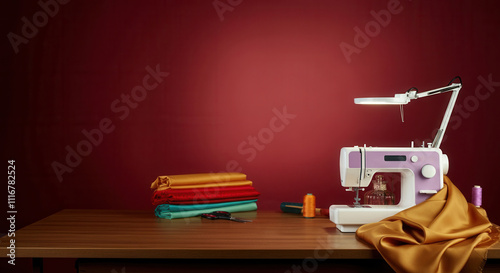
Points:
(428, 171)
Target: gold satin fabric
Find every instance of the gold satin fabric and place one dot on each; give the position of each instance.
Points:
(443, 234)
(200, 180)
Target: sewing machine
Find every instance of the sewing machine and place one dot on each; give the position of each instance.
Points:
(421, 168)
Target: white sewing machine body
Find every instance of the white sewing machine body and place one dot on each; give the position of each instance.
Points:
(421, 170)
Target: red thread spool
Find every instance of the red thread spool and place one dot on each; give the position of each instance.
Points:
(309, 206)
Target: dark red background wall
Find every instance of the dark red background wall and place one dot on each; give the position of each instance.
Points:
(271, 71)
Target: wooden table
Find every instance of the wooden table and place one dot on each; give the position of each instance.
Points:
(121, 234)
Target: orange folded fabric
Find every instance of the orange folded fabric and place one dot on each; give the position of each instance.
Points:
(210, 185)
(185, 181)
(443, 234)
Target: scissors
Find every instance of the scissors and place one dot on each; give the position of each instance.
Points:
(223, 215)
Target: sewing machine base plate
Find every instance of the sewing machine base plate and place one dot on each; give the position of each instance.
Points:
(348, 218)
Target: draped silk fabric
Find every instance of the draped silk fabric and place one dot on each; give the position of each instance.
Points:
(443, 234)
(184, 181)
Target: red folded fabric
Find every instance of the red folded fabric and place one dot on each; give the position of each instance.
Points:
(204, 195)
(223, 200)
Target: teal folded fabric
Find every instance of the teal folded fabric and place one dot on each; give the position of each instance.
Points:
(176, 208)
(168, 211)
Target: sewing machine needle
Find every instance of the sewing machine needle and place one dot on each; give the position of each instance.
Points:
(402, 113)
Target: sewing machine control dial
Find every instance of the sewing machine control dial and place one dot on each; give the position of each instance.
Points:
(428, 171)
(414, 158)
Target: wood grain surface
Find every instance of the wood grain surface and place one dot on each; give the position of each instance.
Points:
(139, 234)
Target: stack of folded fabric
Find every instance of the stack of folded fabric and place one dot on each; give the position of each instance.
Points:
(188, 195)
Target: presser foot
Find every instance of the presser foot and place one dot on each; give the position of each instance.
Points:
(348, 218)
(356, 202)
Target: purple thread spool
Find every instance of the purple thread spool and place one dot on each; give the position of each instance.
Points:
(477, 196)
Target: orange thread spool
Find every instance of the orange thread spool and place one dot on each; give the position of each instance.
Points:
(309, 206)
